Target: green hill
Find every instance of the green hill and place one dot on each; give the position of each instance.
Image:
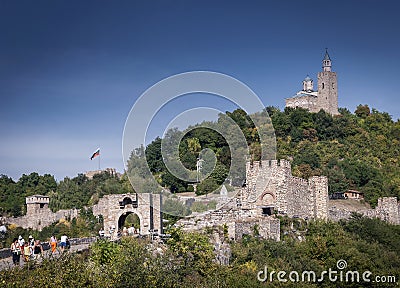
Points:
(355, 150)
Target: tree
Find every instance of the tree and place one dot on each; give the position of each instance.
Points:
(362, 111)
(207, 186)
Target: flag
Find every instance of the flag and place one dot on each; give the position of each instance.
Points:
(95, 154)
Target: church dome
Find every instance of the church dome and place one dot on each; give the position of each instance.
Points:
(307, 79)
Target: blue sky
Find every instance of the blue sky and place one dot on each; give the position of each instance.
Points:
(70, 71)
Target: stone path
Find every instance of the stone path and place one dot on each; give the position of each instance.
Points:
(7, 262)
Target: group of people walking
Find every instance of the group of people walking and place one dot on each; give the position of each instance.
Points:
(64, 243)
(33, 249)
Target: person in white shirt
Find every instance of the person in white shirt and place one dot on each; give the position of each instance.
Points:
(21, 241)
(63, 242)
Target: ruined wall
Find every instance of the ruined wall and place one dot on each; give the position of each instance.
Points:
(239, 222)
(305, 101)
(38, 214)
(388, 209)
(291, 195)
(111, 209)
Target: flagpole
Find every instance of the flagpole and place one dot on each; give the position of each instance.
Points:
(99, 161)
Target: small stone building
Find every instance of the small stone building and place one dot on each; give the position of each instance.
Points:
(354, 194)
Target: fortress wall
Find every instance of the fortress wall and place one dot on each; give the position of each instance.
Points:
(319, 189)
(299, 198)
(388, 210)
(37, 219)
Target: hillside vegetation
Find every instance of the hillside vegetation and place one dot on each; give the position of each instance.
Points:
(187, 260)
(355, 150)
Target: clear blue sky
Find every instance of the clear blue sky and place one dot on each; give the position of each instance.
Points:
(71, 70)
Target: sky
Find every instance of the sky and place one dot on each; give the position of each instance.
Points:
(70, 71)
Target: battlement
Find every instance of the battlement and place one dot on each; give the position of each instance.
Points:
(37, 199)
(265, 164)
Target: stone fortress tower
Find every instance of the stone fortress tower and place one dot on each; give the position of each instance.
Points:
(38, 214)
(270, 188)
(326, 97)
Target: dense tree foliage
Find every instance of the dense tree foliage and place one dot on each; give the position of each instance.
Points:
(187, 259)
(12, 194)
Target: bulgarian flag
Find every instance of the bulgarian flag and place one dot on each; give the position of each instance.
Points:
(95, 154)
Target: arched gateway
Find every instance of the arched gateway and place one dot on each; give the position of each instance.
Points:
(116, 207)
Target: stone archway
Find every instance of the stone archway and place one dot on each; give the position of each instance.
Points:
(122, 218)
(267, 202)
(267, 199)
(146, 206)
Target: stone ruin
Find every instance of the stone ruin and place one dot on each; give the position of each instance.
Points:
(271, 190)
(388, 209)
(115, 208)
(38, 214)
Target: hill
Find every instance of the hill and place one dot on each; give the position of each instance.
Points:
(357, 150)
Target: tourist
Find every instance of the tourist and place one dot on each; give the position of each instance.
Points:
(27, 252)
(16, 251)
(131, 230)
(101, 233)
(37, 250)
(53, 243)
(63, 242)
(21, 241)
(31, 242)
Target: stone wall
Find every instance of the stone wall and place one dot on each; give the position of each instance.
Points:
(239, 222)
(111, 171)
(319, 190)
(388, 209)
(309, 102)
(289, 195)
(113, 208)
(38, 214)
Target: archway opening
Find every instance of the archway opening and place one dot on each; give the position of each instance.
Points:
(130, 202)
(267, 204)
(129, 224)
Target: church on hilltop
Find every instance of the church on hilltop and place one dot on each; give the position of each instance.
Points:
(326, 95)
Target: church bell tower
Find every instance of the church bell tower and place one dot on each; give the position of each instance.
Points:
(327, 87)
